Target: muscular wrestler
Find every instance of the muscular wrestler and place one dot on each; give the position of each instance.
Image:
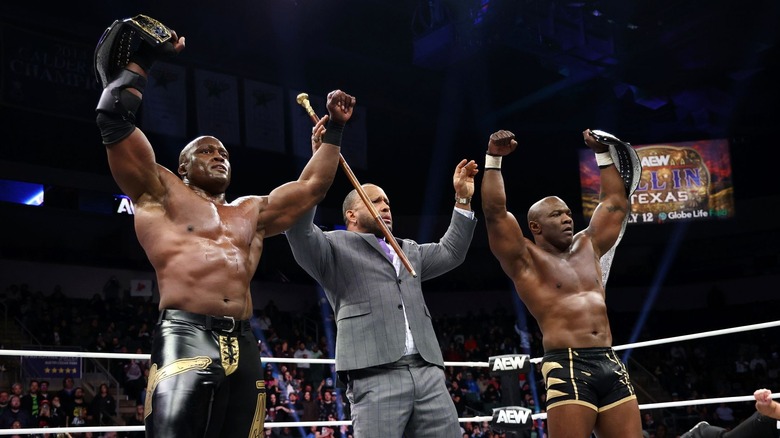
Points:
(764, 423)
(558, 277)
(206, 378)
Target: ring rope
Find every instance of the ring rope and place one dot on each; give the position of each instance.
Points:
(98, 355)
(269, 425)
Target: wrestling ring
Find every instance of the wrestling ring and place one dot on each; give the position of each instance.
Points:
(492, 420)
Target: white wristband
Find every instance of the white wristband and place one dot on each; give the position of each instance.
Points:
(492, 161)
(604, 158)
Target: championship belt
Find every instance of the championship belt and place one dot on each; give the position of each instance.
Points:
(122, 39)
(625, 158)
(629, 167)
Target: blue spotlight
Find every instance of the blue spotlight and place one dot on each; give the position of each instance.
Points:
(329, 326)
(521, 328)
(666, 261)
(21, 192)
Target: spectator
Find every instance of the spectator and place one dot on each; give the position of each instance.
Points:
(327, 406)
(295, 405)
(316, 370)
(312, 432)
(133, 378)
(44, 415)
(288, 385)
(14, 413)
(457, 397)
(43, 391)
(758, 365)
(103, 407)
(17, 389)
(77, 412)
(66, 395)
(303, 353)
(31, 401)
(4, 399)
(311, 407)
(277, 411)
(57, 415)
(136, 420)
(724, 416)
(648, 421)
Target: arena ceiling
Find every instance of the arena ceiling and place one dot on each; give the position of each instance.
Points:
(436, 78)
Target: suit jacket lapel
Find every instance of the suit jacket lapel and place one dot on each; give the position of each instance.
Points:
(372, 240)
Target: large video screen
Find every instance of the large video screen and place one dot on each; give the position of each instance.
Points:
(680, 181)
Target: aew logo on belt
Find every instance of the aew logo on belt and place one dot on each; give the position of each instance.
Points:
(511, 418)
(514, 363)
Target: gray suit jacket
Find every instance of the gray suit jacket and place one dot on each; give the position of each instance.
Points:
(365, 293)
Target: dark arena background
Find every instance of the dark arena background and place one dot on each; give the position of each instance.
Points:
(433, 79)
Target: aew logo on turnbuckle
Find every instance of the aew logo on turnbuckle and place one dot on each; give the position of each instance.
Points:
(511, 418)
(516, 363)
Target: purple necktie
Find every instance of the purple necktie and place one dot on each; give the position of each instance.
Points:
(384, 246)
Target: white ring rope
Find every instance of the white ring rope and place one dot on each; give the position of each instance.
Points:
(271, 425)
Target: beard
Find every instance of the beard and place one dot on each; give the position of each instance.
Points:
(370, 225)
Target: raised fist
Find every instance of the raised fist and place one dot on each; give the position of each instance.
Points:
(340, 106)
(501, 143)
(594, 141)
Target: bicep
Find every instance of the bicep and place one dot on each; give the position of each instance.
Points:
(606, 223)
(507, 243)
(133, 166)
(284, 205)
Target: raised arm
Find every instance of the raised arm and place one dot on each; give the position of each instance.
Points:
(130, 155)
(607, 219)
(504, 233)
(765, 405)
(285, 204)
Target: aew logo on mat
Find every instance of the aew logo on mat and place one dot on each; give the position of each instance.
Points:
(515, 363)
(511, 418)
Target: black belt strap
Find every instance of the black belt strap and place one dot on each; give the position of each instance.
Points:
(226, 324)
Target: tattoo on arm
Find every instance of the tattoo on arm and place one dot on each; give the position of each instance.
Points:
(614, 208)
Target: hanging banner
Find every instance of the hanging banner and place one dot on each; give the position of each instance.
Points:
(164, 108)
(45, 367)
(217, 106)
(264, 116)
(47, 74)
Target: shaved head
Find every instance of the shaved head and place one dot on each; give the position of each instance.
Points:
(352, 200)
(187, 150)
(542, 206)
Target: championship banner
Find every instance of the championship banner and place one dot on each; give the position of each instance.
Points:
(45, 367)
(47, 74)
(217, 106)
(164, 108)
(264, 112)
(680, 181)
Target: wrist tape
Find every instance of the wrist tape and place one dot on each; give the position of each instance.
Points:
(492, 161)
(604, 159)
(333, 133)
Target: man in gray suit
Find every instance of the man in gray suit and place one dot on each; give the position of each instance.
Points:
(386, 350)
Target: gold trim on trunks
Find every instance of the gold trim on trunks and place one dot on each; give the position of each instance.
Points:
(170, 370)
(228, 353)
